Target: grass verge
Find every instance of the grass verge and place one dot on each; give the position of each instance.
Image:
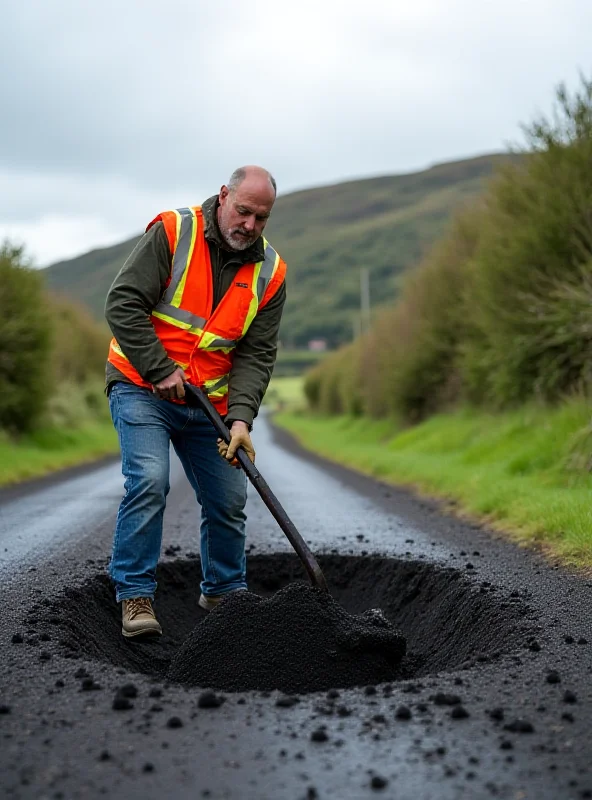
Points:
(286, 394)
(526, 472)
(51, 448)
(77, 429)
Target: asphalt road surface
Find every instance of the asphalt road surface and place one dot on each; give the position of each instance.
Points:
(500, 705)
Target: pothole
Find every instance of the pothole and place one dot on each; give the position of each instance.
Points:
(449, 621)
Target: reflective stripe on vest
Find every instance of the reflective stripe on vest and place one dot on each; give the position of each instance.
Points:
(117, 349)
(168, 307)
(267, 269)
(180, 318)
(186, 234)
(217, 387)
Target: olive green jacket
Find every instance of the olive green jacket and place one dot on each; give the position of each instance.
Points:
(139, 286)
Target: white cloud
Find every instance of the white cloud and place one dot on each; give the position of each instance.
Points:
(54, 237)
(113, 111)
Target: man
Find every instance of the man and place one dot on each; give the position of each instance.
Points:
(199, 300)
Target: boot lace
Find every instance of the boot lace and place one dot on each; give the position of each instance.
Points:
(139, 605)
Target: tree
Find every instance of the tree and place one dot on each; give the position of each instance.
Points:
(25, 342)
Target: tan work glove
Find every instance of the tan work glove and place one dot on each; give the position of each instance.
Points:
(240, 437)
(171, 388)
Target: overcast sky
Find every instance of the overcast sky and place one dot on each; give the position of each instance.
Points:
(112, 111)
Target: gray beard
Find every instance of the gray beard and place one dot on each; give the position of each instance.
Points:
(236, 242)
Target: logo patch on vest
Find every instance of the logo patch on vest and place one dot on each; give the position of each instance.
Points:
(242, 285)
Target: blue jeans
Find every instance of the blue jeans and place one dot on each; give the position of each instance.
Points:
(146, 427)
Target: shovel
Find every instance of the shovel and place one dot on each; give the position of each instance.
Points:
(196, 397)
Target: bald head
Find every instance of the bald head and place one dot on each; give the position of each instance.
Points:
(245, 205)
(255, 176)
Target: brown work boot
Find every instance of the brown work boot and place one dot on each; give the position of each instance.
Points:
(208, 601)
(138, 618)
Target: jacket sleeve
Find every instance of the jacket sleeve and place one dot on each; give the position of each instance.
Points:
(254, 359)
(133, 295)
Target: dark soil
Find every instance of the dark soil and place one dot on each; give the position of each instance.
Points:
(298, 640)
(448, 622)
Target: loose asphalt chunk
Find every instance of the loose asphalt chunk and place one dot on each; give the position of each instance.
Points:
(519, 726)
(121, 703)
(443, 699)
(319, 735)
(459, 712)
(378, 782)
(286, 701)
(210, 700)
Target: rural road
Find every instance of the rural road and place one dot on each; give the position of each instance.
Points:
(500, 707)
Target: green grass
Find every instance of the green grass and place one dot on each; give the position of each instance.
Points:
(524, 472)
(285, 394)
(77, 430)
(50, 449)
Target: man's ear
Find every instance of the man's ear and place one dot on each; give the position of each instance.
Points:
(224, 192)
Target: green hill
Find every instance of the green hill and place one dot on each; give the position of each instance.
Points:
(327, 235)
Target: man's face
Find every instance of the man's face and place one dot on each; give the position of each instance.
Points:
(243, 213)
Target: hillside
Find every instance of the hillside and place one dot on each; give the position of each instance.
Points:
(326, 235)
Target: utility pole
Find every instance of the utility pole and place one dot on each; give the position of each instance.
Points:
(365, 299)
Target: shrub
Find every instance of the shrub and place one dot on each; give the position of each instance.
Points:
(312, 386)
(532, 291)
(79, 343)
(51, 352)
(25, 343)
(500, 311)
(333, 387)
(411, 365)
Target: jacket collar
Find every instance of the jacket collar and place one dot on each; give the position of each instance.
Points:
(253, 253)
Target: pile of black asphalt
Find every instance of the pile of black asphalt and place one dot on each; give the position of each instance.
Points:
(298, 640)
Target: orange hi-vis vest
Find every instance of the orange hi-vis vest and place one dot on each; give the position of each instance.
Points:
(200, 340)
